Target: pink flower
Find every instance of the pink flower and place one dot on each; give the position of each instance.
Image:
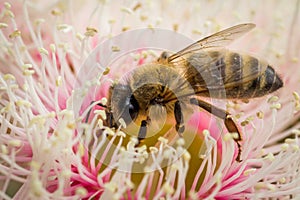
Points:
(47, 151)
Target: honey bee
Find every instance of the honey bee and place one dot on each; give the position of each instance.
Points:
(203, 69)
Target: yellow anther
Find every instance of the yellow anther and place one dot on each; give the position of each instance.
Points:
(15, 34)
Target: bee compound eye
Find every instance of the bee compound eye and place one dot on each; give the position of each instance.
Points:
(130, 110)
(133, 108)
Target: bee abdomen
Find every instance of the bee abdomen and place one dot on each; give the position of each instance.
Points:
(267, 83)
(264, 84)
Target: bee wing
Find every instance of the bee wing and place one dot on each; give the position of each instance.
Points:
(219, 39)
(217, 71)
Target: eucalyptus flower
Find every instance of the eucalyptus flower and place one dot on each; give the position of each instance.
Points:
(54, 143)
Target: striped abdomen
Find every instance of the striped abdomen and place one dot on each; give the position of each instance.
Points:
(225, 74)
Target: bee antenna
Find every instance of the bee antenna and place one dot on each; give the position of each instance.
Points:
(100, 104)
(89, 112)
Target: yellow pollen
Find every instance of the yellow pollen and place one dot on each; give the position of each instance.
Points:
(180, 142)
(219, 177)
(167, 153)
(227, 137)
(58, 81)
(168, 188)
(122, 122)
(23, 103)
(81, 149)
(9, 77)
(133, 140)
(126, 10)
(250, 118)
(111, 21)
(43, 51)
(51, 115)
(193, 195)
(150, 26)
(53, 48)
(79, 36)
(115, 48)
(121, 134)
(109, 131)
(296, 96)
(66, 173)
(197, 32)
(9, 14)
(206, 132)
(103, 101)
(153, 149)
(270, 157)
(245, 123)
(143, 17)
(147, 169)
(35, 165)
(15, 34)
(129, 184)
(90, 32)
(7, 5)
(295, 59)
(39, 21)
(285, 146)
(15, 143)
(276, 106)
(262, 151)
(289, 141)
(125, 28)
(63, 46)
(175, 27)
(71, 126)
(64, 28)
(116, 196)
(273, 99)
(6, 108)
(175, 166)
(101, 113)
(81, 191)
(260, 115)
(137, 6)
(297, 106)
(142, 149)
(235, 135)
(106, 71)
(271, 187)
(4, 149)
(100, 123)
(186, 156)
(295, 147)
(249, 171)
(56, 12)
(282, 180)
(163, 140)
(3, 25)
(26, 66)
(111, 186)
(296, 132)
(238, 116)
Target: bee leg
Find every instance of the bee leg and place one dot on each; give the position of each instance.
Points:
(228, 121)
(143, 130)
(110, 119)
(179, 118)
